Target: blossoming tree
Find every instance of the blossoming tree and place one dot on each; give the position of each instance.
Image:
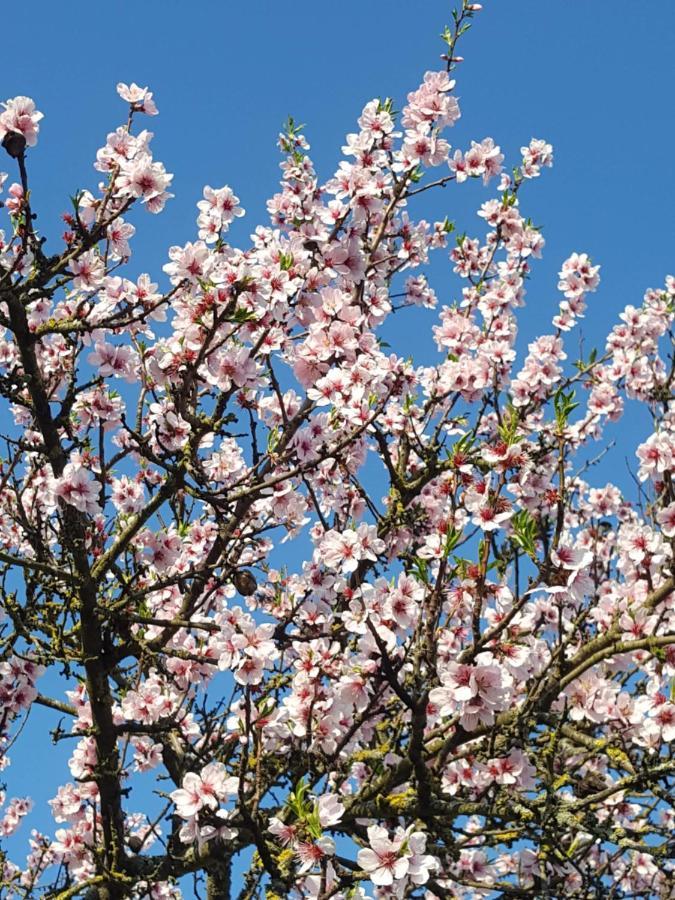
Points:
(466, 688)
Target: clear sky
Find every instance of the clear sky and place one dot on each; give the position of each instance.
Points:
(593, 77)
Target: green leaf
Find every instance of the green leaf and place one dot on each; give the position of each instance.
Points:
(525, 532)
(584, 366)
(564, 405)
(297, 799)
(242, 315)
(420, 569)
(272, 439)
(314, 823)
(292, 128)
(461, 565)
(463, 445)
(386, 105)
(510, 421)
(452, 538)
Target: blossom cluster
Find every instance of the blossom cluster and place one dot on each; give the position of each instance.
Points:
(461, 683)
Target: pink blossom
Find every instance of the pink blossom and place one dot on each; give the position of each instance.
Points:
(113, 360)
(656, 456)
(88, 271)
(19, 115)
(311, 853)
(78, 488)
(329, 809)
(537, 154)
(666, 519)
(217, 210)
(127, 495)
(139, 98)
(145, 179)
(382, 860)
(205, 790)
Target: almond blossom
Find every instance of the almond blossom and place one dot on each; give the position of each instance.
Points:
(20, 115)
(77, 488)
(383, 860)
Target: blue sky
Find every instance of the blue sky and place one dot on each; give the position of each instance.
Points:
(593, 78)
